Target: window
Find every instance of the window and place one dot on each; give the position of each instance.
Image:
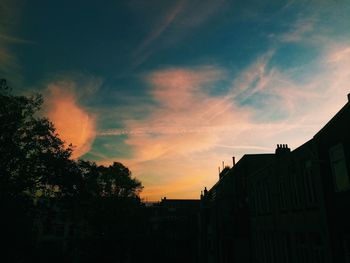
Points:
(302, 248)
(48, 228)
(282, 192)
(60, 230)
(310, 193)
(295, 190)
(267, 196)
(259, 201)
(346, 245)
(317, 247)
(339, 170)
(72, 230)
(286, 247)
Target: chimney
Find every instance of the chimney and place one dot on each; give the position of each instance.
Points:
(233, 161)
(205, 191)
(282, 149)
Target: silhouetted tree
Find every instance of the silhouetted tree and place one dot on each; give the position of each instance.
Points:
(113, 210)
(32, 156)
(33, 160)
(111, 181)
(35, 165)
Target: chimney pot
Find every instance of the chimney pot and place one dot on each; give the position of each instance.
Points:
(205, 190)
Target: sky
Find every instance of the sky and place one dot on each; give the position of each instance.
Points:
(174, 88)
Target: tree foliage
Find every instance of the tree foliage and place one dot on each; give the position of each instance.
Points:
(31, 153)
(33, 157)
(111, 181)
(33, 160)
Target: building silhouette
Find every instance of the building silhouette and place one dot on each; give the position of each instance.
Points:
(172, 231)
(290, 206)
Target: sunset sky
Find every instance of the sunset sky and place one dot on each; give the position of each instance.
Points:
(173, 88)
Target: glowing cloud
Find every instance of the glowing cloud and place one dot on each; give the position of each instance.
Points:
(190, 129)
(72, 122)
(182, 130)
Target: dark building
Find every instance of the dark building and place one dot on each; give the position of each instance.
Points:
(59, 231)
(172, 231)
(332, 144)
(286, 209)
(224, 228)
(290, 206)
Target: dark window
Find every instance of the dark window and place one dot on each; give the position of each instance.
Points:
(317, 247)
(60, 230)
(286, 248)
(346, 244)
(309, 184)
(339, 169)
(282, 191)
(302, 248)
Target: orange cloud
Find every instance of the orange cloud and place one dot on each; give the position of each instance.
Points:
(73, 123)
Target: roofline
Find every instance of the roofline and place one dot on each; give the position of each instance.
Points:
(180, 200)
(240, 160)
(302, 145)
(333, 119)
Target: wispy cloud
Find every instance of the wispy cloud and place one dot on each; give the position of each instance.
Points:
(186, 123)
(191, 130)
(161, 27)
(181, 17)
(74, 124)
(9, 17)
(299, 30)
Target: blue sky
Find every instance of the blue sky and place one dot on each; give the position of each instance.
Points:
(173, 88)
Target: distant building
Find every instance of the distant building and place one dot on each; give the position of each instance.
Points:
(59, 231)
(172, 231)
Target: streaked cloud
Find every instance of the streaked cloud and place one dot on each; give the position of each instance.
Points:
(161, 27)
(9, 17)
(190, 126)
(222, 78)
(187, 123)
(181, 18)
(299, 29)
